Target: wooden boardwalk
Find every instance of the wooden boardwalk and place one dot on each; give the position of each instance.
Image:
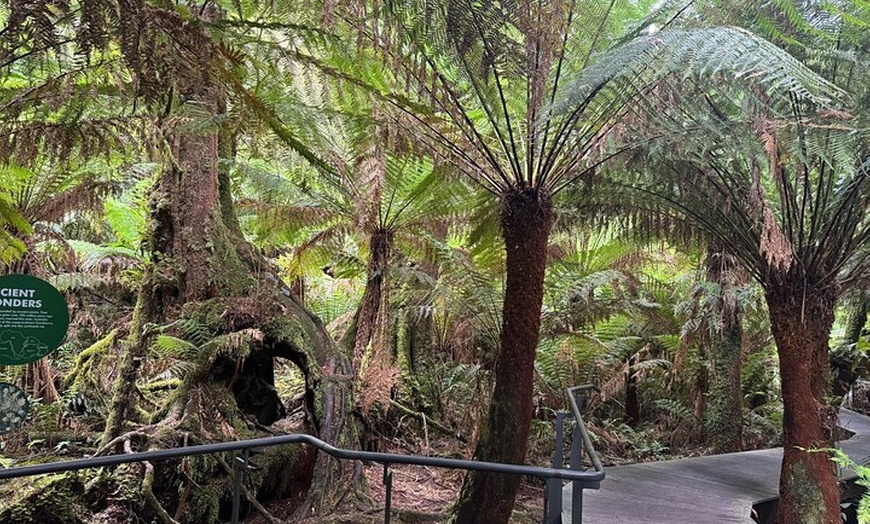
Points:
(703, 490)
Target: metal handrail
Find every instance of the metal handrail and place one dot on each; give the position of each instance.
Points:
(586, 478)
(580, 479)
(578, 419)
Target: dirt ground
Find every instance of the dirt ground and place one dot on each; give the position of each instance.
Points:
(420, 495)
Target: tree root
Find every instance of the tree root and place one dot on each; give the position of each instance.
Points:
(188, 482)
(150, 498)
(125, 439)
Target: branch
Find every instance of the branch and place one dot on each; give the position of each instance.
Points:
(426, 420)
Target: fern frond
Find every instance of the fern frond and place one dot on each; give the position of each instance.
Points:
(626, 72)
(194, 331)
(93, 256)
(237, 345)
(168, 347)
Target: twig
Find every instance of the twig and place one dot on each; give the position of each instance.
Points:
(430, 421)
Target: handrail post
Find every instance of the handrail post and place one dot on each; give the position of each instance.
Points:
(240, 464)
(553, 495)
(580, 439)
(576, 448)
(576, 503)
(388, 488)
(576, 464)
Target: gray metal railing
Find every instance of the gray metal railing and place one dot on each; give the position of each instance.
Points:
(579, 478)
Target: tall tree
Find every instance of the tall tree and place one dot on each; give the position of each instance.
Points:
(177, 74)
(724, 414)
(788, 196)
(489, 71)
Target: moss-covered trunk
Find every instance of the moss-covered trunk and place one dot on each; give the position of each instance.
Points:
(203, 271)
(724, 417)
(801, 317)
(526, 219)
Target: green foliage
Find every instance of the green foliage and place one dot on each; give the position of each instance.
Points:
(454, 390)
(127, 222)
(645, 443)
(180, 353)
(863, 473)
(566, 361)
(11, 219)
(676, 408)
(692, 55)
(320, 162)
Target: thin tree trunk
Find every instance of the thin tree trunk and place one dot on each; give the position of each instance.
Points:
(380, 250)
(489, 498)
(857, 320)
(725, 402)
(42, 381)
(632, 403)
(801, 318)
(368, 338)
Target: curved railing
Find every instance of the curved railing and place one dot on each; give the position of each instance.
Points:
(580, 442)
(579, 478)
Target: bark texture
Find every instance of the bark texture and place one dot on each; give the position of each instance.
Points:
(380, 251)
(526, 220)
(801, 317)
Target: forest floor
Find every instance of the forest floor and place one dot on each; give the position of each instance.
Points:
(420, 495)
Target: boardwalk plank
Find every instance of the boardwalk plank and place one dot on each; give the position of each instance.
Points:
(715, 489)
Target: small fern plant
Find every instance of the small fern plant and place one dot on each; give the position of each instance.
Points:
(863, 480)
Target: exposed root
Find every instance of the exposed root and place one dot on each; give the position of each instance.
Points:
(125, 439)
(151, 499)
(187, 480)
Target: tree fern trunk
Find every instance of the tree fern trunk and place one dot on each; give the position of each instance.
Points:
(632, 403)
(380, 251)
(801, 318)
(489, 498)
(724, 415)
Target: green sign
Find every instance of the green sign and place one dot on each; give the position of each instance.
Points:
(13, 407)
(33, 319)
